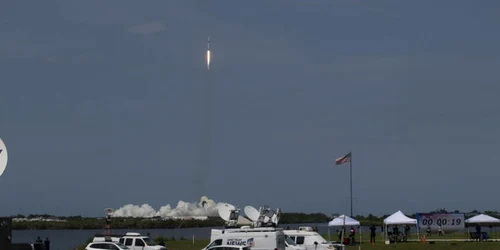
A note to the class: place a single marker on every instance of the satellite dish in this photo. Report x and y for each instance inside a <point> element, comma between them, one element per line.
<point>269,213</point>
<point>266,220</point>
<point>268,216</point>
<point>229,213</point>
<point>108,211</point>
<point>276,217</point>
<point>3,157</point>
<point>252,213</point>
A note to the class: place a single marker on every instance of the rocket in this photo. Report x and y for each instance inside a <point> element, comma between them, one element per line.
<point>208,53</point>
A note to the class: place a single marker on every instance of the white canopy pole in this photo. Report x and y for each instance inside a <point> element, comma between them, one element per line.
<point>418,232</point>
<point>360,238</point>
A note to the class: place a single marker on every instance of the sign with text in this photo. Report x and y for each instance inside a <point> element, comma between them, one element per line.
<point>448,222</point>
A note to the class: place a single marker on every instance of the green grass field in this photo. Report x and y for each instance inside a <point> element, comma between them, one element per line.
<point>438,242</point>
<point>199,244</point>
<point>445,245</point>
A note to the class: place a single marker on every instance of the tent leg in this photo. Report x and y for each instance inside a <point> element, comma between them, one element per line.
<point>360,239</point>
<point>418,233</point>
<point>385,234</point>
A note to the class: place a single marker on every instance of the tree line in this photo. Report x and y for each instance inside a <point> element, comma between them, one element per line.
<point>79,222</point>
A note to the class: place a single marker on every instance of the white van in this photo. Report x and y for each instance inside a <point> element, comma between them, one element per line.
<point>260,238</point>
<point>311,240</point>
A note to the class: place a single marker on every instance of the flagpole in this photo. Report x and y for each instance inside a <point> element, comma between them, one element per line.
<point>350,163</point>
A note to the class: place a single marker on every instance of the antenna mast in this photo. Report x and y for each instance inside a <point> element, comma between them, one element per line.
<point>107,229</point>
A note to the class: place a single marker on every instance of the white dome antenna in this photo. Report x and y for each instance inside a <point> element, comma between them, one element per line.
<point>252,213</point>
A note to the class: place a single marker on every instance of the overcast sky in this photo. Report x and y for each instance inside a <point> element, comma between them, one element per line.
<point>102,104</point>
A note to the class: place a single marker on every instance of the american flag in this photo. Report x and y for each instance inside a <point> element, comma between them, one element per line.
<point>344,159</point>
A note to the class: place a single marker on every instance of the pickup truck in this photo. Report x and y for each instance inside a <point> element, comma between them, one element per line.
<point>136,241</point>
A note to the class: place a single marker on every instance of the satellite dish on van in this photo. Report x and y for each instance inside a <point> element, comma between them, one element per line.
<point>266,219</point>
<point>252,213</point>
<point>276,216</point>
<point>269,217</point>
<point>108,211</point>
<point>268,212</point>
<point>3,157</point>
<point>229,213</point>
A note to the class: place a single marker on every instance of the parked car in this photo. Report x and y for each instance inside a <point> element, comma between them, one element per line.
<point>106,245</point>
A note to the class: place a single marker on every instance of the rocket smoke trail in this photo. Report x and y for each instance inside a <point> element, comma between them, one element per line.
<point>206,133</point>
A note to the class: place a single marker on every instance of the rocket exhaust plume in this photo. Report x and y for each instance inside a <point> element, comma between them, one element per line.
<point>208,54</point>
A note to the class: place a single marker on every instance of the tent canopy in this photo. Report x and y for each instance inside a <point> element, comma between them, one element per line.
<point>398,218</point>
<point>482,219</point>
<point>339,221</point>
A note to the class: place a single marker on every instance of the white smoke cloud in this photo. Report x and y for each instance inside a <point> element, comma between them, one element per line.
<point>206,207</point>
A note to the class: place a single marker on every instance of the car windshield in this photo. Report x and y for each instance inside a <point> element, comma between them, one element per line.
<point>289,241</point>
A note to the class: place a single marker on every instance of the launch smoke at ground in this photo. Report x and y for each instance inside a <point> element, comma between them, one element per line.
<point>206,207</point>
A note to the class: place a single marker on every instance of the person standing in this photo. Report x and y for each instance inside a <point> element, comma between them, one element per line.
<point>372,234</point>
<point>440,231</point>
<point>478,233</point>
<point>407,232</point>
<point>47,243</point>
<point>352,234</point>
<point>38,244</point>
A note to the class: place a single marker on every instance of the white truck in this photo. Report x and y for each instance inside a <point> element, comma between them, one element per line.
<point>136,241</point>
<point>312,240</point>
<point>259,238</point>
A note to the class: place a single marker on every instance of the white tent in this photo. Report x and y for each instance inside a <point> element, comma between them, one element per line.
<point>339,221</point>
<point>344,220</point>
<point>482,219</point>
<point>398,218</point>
